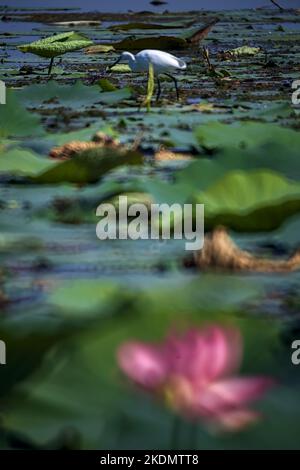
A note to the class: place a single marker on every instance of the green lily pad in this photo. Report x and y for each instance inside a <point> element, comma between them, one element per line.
<point>246,135</point>
<point>250,201</point>
<point>99,48</point>
<point>24,162</point>
<point>106,85</point>
<point>121,68</point>
<point>203,172</point>
<point>85,297</point>
<point>243,51</point>
<point>16,121</point>
<point>88,167</point>
<point>84,135</point>
<point>114,97</point>
<point>70,95</point>
<point>57,45</point>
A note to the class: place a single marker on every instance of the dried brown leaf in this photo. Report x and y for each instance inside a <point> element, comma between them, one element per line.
<point>220,253</point>
<point>66,151</point>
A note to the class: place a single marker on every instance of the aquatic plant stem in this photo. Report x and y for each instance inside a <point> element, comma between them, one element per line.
<point>50,65</point>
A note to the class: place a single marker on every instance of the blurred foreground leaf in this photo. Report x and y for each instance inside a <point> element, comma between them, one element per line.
<point>77,95</point>
<point>250,201</point>
<point>81,389</point>
<point>88,166</point>
<point>16,121</point>
<point>24,162</point>
<point>246,135</point>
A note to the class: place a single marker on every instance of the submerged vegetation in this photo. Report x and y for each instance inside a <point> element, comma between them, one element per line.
<point>83,136</point>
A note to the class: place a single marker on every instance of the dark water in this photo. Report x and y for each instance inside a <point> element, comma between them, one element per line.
<point>124,5</point>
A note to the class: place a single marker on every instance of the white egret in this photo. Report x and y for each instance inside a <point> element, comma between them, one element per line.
<point>162,62</point>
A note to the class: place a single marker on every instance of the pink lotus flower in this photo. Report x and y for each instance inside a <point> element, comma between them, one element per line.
<point>195,374</point>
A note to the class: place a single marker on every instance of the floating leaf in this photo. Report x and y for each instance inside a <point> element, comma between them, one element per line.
<point>121,68</point>
<point>164,43</point>
<point>250,201</point>
<point>203,172</point>
<point>77,95</point>
<point>24,162</point>
<point>106,85</point>
<point>15,120</point>
<point>274,156</point>
<point>88,167</point>
<point>242,51</point>
<point>84,297</point>
<point>85,135</point>
<point>113,97</point>
<point>57,45</point>
<point>245,135</point>
<point>128,26</point>
<point>99,48</point>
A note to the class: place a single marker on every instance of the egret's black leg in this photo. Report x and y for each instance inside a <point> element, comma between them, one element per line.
<point>158,88</point>
<point>50,65</point>
<point>175,83</point>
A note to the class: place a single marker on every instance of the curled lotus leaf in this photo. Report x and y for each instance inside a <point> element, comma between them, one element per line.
<point>57,45</point>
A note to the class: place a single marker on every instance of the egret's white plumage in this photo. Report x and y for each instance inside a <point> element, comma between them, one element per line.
<point>162,62</point>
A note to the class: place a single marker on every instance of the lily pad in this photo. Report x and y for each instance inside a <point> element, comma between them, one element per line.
<point>85,297</point>
<point>99,48</point>
<point>106,85</point>
<point>121,68</point>
<point>24,162</point>
<point>250,201</point>
<point>57,45</point>
<point>70,95</point>
<point>164,43</point>
<point>246,135</point>
<point>88,167</point>
<point>16,121</point>
<point>203,172</point>
<point>137,25</point>
<point>242,51</point>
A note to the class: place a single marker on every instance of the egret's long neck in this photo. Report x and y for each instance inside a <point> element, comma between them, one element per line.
<point>131,61</point>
